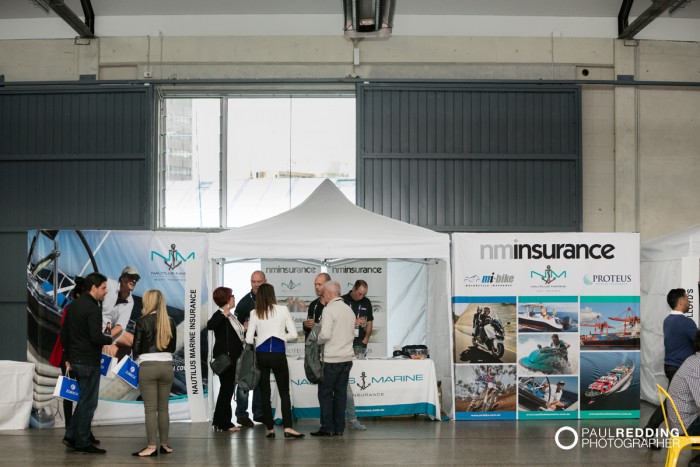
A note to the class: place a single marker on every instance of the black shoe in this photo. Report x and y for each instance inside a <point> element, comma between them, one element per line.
<point>320,433</point>
<point>337,434</point>
<point>94,440</point>
<point>271,434</point>
<point>293,435</point>
<point>245,422</point>
<point>138,453</point>
<point>653,444</point>
<point>164,451</point>
<point>69,442</point>
<point>90,449</point>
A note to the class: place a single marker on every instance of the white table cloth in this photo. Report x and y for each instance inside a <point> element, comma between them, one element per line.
<point>16,394</point>
<point>381,387</point>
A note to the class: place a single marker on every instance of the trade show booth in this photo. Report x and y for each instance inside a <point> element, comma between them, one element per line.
<point>667,262</point>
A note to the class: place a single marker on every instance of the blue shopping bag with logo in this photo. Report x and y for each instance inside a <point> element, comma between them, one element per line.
<point>128,370</point>
<point>67,388</point>
<point>106,363</point>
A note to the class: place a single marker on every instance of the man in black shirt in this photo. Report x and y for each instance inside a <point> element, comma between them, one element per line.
<point>242,312</point>
<point>82,340</point>
<point>316,307</point>
<point>362,307</point>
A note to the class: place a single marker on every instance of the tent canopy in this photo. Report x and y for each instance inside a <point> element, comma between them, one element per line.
<point>673,246</point>
<point>328,225</point>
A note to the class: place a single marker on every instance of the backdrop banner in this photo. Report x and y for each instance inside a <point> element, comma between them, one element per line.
<point>546,325</point>
<point>165,261</point>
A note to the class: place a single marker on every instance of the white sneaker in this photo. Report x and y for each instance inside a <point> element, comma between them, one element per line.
<point>356,425</point>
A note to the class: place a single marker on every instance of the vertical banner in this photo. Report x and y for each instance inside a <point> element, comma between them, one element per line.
<point>546,325</point>
<point>193,367</point>
<point>372,271</point>
<point>689,281</point>
<point>159,260</point>
<point>293,281</point>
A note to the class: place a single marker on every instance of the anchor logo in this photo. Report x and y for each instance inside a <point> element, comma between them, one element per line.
<point>364,385</point>
<point>291,285</point>
<point>173,257</point>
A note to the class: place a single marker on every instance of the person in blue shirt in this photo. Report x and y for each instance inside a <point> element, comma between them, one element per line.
<point>679,336</point>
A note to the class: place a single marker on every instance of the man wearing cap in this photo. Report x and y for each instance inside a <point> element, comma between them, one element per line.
<point>117,307</point>
<point>555,399</point>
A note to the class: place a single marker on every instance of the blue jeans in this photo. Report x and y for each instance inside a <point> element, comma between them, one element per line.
<point>88,378</point>
<point>350,406</point>
<point>332,396</point>
<point>242,404</point>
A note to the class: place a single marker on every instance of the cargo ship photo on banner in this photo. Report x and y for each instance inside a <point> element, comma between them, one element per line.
<point>573,335</point>
<point>374,272</point>
<point>133,262</point>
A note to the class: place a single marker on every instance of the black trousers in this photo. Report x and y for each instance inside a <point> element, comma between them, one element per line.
<point>657,418</point>
<point>222,412</point>
<point>277,363</point>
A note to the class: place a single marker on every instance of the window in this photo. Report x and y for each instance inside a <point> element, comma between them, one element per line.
<point>275,151</point>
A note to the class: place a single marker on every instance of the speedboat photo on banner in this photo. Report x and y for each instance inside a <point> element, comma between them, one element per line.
<point>546,325</point>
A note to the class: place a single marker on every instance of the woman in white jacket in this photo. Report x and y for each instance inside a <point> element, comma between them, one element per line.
<point>274,327</point>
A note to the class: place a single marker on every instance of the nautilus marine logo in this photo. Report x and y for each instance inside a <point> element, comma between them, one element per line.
<point>548,275</point>
<point>365,384</point>
<point>172,258</point>
<point>291,285</point>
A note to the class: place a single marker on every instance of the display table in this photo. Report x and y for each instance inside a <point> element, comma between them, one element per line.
<point>381,387</point>
<point>16,394</point>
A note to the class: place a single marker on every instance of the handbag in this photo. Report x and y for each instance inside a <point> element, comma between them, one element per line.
<point>67,388</point>
<point>247,372</point>
<point>222,362</point>
<point>128,370</point>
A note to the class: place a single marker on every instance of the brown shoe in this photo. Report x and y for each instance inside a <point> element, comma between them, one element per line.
<point>245,422</point>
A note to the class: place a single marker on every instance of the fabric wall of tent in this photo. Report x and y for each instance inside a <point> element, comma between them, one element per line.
<point>667,263</point>
<point>328,226</point>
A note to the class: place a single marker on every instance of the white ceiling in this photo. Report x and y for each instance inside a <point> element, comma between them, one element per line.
<point>22,19</point>
<point>565,8</point>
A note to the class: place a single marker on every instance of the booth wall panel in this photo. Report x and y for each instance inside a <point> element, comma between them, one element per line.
<point>471,157</point>
<point>71,157</point>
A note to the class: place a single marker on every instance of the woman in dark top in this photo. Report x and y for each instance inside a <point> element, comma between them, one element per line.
<point>154,343</point>
<point>228,339</point>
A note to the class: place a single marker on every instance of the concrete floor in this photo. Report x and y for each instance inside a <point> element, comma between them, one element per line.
<point>387,441</point>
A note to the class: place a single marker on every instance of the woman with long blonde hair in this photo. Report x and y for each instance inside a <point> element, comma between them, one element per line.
<point>154,344</point>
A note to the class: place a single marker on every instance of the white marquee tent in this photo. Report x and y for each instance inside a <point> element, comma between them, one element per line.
<point>328,226</point>
<point>667,263</point>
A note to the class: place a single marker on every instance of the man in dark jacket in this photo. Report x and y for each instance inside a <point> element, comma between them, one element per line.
<point>82,340</point>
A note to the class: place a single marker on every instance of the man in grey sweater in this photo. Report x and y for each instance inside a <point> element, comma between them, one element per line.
<point>337,334</point>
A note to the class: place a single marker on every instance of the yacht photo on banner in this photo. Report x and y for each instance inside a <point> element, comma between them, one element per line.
<point>169,262</point>
<point>557,312</point>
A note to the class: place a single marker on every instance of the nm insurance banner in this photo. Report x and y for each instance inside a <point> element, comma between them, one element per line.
<point>163,260</point>
<point>546,325</point>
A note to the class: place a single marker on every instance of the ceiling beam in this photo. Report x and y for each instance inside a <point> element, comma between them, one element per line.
<point>647,16</point>
<point>85,29</point>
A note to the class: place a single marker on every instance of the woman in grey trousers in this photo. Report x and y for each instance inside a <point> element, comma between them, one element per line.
<point>154,344</point>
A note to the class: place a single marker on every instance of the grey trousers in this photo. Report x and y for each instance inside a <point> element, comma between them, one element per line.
<point>155,381</point>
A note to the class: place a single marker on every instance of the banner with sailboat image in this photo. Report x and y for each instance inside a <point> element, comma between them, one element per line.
<point>157,260</point>
<point>560,311</point>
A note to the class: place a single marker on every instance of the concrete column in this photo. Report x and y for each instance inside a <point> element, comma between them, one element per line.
<point>626,151</point>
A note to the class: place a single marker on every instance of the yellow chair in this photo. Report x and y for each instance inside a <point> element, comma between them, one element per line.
<point>676,443</point>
